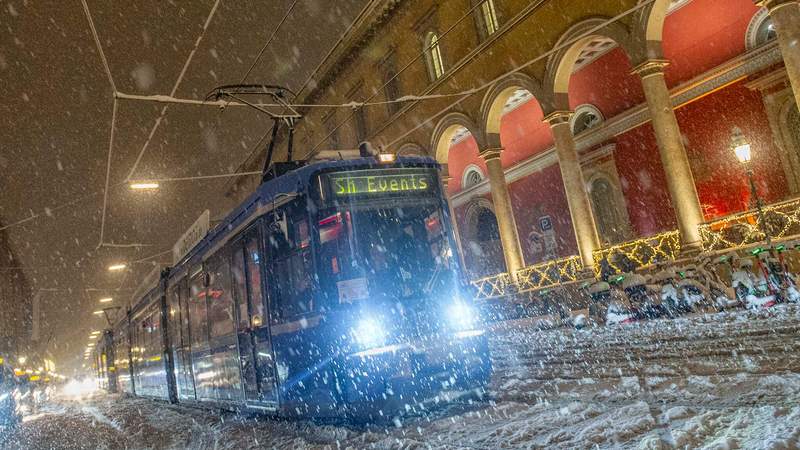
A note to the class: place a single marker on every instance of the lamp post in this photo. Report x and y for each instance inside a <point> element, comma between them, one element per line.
<point>741,148</point>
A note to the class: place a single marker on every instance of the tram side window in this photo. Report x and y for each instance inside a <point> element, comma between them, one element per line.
<point>239,285</point>
<point>290,250</point>
<point>174,316</point>
<point>198,322</point>
<point>253,262</point>
<point>220,301</point>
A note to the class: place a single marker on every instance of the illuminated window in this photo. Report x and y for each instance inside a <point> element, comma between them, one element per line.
<point>489,17</point>
<point>433,52</point>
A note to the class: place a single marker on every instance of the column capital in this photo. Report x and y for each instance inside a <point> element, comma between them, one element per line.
<point>558,117</point>
<point>650,67</point>
<point>773,5</point>
<point>489,154</point>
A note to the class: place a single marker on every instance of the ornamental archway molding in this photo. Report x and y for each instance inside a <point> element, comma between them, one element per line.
<point>495,100</point>
<point>561,64</point>
<point>447,128</point>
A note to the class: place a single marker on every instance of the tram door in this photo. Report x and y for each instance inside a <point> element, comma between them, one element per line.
<point>255,347</point>
<point>179,311</point>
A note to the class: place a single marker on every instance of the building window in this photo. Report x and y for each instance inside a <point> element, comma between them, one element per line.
<point>761,30</point>
<point>330,126</point>
<point>488,18</point>
<point>472,177</point>
<point>391,90</point>
<point>361,125</point>
<point>433,53</point>
<point>585,117</point>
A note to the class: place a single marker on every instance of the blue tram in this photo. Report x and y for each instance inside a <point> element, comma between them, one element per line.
<point>332,291</point>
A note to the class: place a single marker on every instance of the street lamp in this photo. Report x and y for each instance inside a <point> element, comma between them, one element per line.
<point>741,148</point>
<point>144,185</point>
<point>106,300</point>
<point>116,267</point>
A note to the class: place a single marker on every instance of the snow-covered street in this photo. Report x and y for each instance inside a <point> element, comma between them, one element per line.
<point>729,380</point>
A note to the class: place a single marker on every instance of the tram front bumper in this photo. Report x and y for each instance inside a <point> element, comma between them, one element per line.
<point>379,381</point>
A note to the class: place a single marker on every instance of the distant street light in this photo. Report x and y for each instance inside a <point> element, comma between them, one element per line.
<point>95,333</point>
<point>144,186</point>
<point>741,148</point>
<point>106,300</point>
<point>99,312</point>
<point>117,267</point>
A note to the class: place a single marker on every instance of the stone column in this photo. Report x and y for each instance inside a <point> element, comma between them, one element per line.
<point>512,251</point>
<point>680,182</point>
<point>580,209</point>
<point>785,15</point>
<point>456,234</point>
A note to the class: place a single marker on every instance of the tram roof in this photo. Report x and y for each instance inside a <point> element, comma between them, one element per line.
<point>294,182</point>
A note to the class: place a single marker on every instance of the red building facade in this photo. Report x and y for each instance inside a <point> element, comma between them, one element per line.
<point>725,70</point>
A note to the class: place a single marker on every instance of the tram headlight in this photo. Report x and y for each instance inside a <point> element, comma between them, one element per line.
<point>462,316</point>
<point>369,333</point>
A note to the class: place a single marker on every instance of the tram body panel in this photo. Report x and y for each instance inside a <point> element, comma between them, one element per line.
<point>334,290</point>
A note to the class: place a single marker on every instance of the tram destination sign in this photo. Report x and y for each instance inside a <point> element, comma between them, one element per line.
<point>381,182</point>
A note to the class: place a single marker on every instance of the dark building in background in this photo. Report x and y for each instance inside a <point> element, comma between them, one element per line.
<point>15,301</point>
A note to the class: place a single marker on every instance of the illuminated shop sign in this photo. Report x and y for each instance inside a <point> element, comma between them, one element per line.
<point>378,182</point>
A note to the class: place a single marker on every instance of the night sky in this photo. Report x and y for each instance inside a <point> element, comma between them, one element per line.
<point>56,113</point>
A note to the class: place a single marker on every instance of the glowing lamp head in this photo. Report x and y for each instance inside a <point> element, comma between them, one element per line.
<point>116,267</point>
<point>740,146</point>
<point>369,333</point>
<point>462,316</point>
<point>99,312</point>
<point>144,185</point>
<point>387,158</point>
<point>106,300</point>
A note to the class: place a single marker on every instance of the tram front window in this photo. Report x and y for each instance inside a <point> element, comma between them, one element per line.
<point>392,253</point>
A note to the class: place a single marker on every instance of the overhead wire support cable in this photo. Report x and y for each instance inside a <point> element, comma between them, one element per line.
<point>256,60</point>
<point>174,90</point>
<point>99,47</point>
<point>108,172</point>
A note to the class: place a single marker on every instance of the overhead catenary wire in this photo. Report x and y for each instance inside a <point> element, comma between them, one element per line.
<point>223,104</point>
<point>158,98</point>
<point>49,211</point>
<point>347,31</point>
<point>174,90</point>
<point>108,171</point>
<point>97,44</point>
<point>201,177</point>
